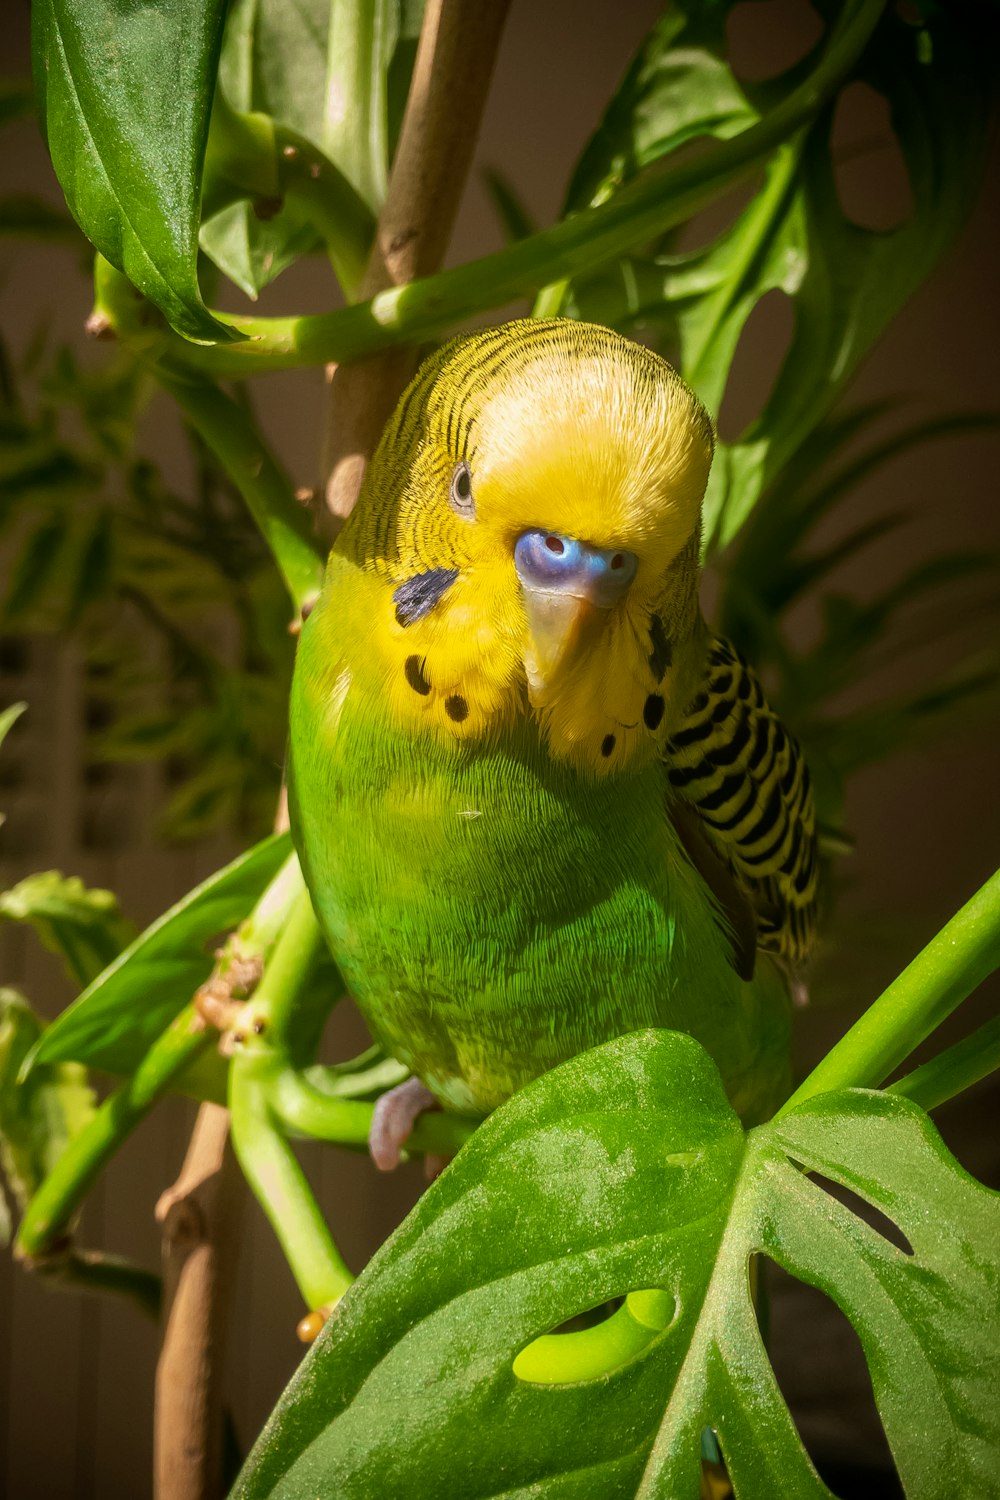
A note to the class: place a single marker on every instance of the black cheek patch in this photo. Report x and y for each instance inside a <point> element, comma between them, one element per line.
<point>652,711</point>
<point>413,669</point>
<point>418,595</point>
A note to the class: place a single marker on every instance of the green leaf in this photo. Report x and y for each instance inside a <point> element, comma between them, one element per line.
<point>679,87</point>
<point>845,282</point>
<point>94,570</point>
<point>273,62</point>
<point>625,1173</point>
<point>83,926</point>
<point>330,77</point>
<point>355,124</point>
<point>325,70</point>
<point>114,1022</point>
<point>40,1116</point>
<point>252,251</point>
<point>305,66</point>
<point>124,94</point>
<point>9,717</point>
<point>777,560</point>
<point>928,1321</point>
<point>944,707</point>
<point>271,68</point>
<point>828,469</point>
<point>853,630</point>
<point>409,18</point>
<point>35,568</point>
<point>228,427</point>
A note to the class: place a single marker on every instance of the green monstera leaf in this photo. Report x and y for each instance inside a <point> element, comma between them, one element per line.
<point>626,1174</point>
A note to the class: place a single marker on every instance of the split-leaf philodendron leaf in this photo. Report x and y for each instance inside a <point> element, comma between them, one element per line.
<point>845,282</point>
<point>124,93</point>
<point>626,1173</point>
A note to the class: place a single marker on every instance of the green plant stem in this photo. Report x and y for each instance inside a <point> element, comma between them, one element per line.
<point>964,952</point>
<point>94,1271</point>
<point>265,1156</point>
<point>279,1184</point>
<point>269,1099</point>
<point>265,924</point>
<point>643,210</point>
<point>323,197</point>
<point>251,156</point>
<point>341,1081</point>
<point>308,1111</point>
<point>356,133</point>
<point>230,433</point>
<point>954,1070</point>
<point>48,1215</point>
<point>548,303</point>
<point>269,1017</point>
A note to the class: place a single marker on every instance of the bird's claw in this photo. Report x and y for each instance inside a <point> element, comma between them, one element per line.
<point>392,1123</point>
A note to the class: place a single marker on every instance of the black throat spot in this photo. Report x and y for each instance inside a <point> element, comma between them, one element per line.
<point>413,670</point>
<point>417,596</point>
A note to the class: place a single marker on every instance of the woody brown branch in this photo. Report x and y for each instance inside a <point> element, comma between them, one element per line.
<point>197,1221</point>
<point>451,77</point>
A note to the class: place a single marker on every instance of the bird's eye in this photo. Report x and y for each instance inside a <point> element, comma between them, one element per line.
<point>460,494</point>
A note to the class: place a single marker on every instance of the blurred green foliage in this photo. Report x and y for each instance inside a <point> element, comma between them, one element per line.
<point>181,618</point>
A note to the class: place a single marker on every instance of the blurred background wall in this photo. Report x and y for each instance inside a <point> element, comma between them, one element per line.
<point>76,1376</point>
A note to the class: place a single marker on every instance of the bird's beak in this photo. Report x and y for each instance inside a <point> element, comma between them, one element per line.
<point>568,588</point>
<point>560,626</point>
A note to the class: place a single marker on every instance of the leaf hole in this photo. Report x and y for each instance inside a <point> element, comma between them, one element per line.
<point>872,180</point>
<point>823,1376</point>
<point>760,353</point>
<point>767,37</point>
<point>598,1340</point>
<point>867,1212</point>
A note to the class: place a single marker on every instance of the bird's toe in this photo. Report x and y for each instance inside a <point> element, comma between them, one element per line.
<point>393,1121</point>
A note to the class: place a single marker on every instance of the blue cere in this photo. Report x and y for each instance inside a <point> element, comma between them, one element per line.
<point>550,563</point>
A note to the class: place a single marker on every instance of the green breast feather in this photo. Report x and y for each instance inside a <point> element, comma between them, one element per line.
<point>494,913</point>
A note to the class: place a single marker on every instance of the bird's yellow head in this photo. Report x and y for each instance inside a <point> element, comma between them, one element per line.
<point>527,541</point>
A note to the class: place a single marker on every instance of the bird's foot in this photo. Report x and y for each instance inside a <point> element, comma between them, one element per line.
<point>396,1113</point>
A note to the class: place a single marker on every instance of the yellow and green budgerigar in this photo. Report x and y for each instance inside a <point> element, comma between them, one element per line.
<point>537,802</point>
